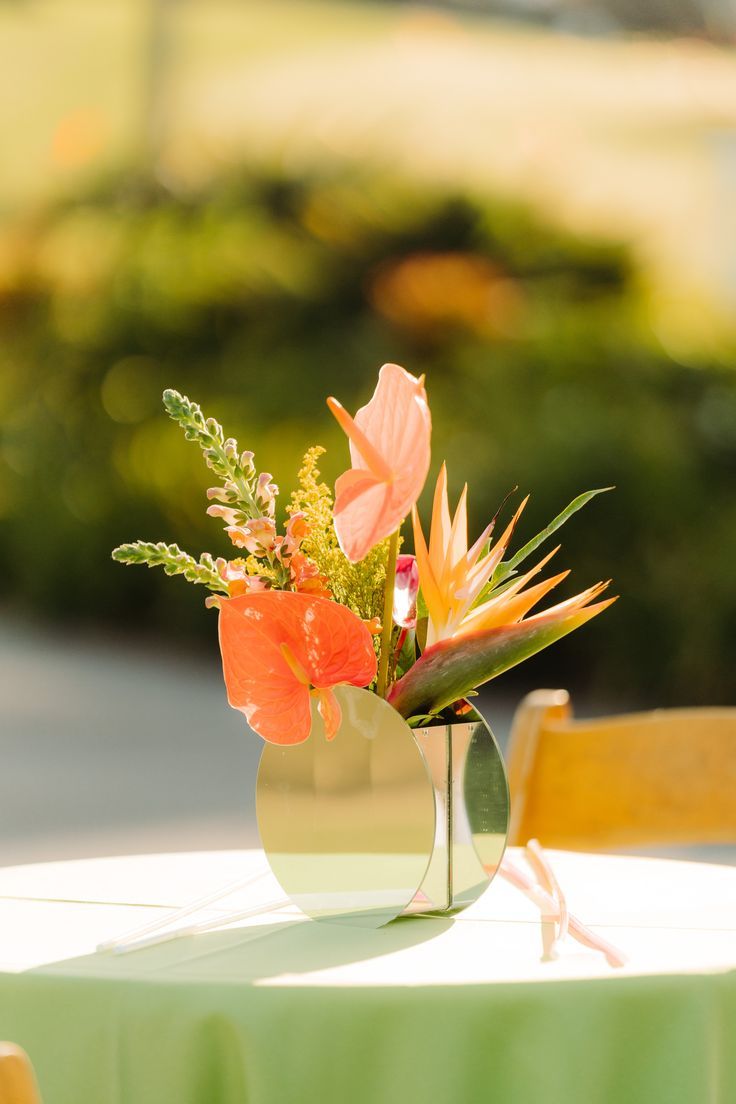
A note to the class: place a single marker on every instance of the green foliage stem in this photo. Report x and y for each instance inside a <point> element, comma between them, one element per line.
<point>174,562</point>
<point>221,454</point>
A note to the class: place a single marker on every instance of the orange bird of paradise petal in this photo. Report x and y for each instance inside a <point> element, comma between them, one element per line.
<point>389,451</point>
<point>280,649</point>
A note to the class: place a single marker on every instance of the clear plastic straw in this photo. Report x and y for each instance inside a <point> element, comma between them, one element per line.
<point>196,929</point>
<point>180,913</point>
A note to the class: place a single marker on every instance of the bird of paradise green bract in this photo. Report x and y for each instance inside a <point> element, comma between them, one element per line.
<point>450,669</point>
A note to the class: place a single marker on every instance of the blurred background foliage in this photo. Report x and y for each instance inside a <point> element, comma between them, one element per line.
<point>260,201</point>
<point>258,293</point>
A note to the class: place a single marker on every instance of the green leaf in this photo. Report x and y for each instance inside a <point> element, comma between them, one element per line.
<point>408,655</point>
<point>420,720</point>
<point>508,567</point>
<point>221,455</point>
<point>421,632</point>
<point>452,668</point>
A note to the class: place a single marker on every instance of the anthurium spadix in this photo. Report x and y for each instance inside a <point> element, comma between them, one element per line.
<point>451,668</point>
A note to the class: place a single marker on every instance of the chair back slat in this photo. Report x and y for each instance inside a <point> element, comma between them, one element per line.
<point>17,1080</point>
<point>662,777</point>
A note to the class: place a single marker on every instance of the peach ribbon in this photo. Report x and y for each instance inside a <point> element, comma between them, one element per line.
<point>557,921</point>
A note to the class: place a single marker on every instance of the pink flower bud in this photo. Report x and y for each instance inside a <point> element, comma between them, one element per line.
<point>239,581</point>
<point>405,592</point>
<point>258,535</point>
<point>225,512</point>
<point>266,492</point>
<point>296,531</point>
<point>238,535</point>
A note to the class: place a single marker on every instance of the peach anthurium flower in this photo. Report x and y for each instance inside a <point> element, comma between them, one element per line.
<point>280,649</point>
<point>389,450</point>
<point>452,576</point>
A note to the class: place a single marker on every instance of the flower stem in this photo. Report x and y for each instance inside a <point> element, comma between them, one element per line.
<point>388,614</point>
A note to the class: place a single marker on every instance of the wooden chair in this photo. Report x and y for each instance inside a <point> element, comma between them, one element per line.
<point>664,777</point>
<point>17,1080</point>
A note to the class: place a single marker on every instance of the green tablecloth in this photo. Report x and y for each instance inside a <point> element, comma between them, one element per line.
<point>280,1010</point>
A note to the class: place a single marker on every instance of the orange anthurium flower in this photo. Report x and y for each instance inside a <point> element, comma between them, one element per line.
<point>452,576</point>
<point>389,450</point>
<point>280,649</point>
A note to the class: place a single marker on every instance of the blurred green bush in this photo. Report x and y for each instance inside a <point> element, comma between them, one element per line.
<point>260,296</point>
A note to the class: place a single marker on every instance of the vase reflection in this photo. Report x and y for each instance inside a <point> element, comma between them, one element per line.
<point>472,810</point>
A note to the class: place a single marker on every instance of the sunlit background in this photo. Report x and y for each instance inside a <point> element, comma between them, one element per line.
<point>258,202</point>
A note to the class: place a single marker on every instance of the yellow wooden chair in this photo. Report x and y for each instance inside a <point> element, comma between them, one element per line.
<point>17,1080</point>
<point>640,779</point>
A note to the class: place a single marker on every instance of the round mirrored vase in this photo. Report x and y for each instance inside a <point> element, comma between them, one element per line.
<point>471,796</point>
<point>384,820</point>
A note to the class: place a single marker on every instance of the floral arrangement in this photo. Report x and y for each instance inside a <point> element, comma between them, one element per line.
<point>330,600</point>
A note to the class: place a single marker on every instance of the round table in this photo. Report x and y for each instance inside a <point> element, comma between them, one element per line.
<point>280,1009</point>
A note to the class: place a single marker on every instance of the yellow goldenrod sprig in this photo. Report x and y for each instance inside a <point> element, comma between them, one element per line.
<point>358,586</point>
